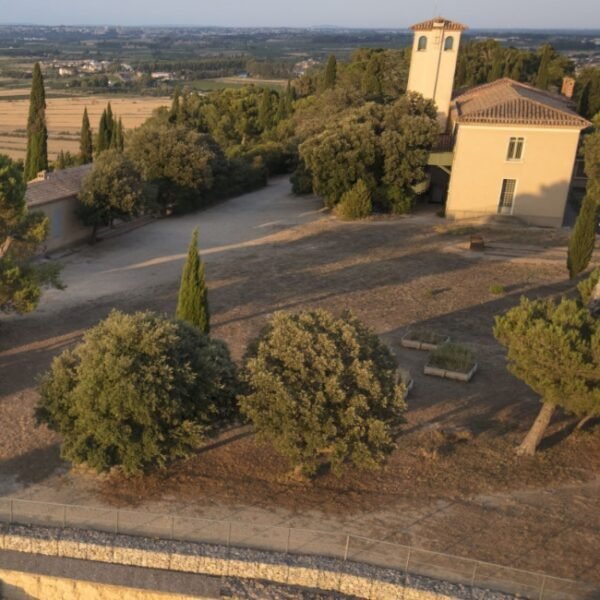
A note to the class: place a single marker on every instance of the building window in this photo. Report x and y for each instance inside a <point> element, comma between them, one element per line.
<point>449,44</point>
<point>515,148</point>
<point>507,196</point>
<point>422,43</point>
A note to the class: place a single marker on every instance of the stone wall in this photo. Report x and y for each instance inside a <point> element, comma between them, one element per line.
<point>303,571</point>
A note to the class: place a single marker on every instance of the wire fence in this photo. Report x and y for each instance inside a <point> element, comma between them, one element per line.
<point>290,540</point>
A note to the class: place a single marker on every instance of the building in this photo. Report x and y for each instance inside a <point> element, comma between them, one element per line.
<point>55,194</point>
<point>506,148</point>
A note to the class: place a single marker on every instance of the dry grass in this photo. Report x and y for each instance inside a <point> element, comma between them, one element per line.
<point>64,119</point>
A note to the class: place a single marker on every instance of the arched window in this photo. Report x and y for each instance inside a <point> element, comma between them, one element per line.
<point>422,43</point>
<point>449,43</point>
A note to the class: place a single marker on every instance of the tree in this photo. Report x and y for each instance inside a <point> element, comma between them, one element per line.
<point>65,160</point>
<point>372,83</point>
<point>103,138</point>
<point>323,390</point>
<point>542,79</point>
<point>138,392</point>
<point>86,150</point>
<point>37,133</point>
<point>583,104</point>
<point>175,160</point>
<point>330,76</point>
<point>583,238</point>
<point>112,189</point>
<point>21,234</point>
<point>266,112</point>
<point>555,349</point>
<point>117,141</point>
<point>356,203</point>
<point>192,303</point>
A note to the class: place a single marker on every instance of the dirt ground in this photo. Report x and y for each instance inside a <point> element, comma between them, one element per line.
<point>463,494</point>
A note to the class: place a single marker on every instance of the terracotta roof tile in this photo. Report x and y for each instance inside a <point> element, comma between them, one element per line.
<point>57,185</point>
<point>509,102</point>
<point>439,22</point>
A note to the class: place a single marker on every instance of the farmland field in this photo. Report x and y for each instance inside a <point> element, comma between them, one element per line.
<point>64,119</point>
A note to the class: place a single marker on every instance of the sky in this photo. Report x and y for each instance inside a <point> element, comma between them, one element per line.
<point>305,13</point>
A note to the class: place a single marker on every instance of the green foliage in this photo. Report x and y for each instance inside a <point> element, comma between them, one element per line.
<point>104,135</point>
<point>583,237</point>
<point>138,392</point>
<point>65,160</point>
<point>117,141</point>
<point>112,189</point>
<point>36,159</point>
<point>86,150</point>
<point>497,289</point>
<point>356,203</point>
<point>542,79</point>
<point>452,357</point>
<point>21,234</point>
<point>586,287</point>
<point>192,303</point>
<point>587,92</point>
<point>386,146</point>
<point>323,390</point>
<point>555,349</point>
<point>175,160</point>
<point>330,76</point>
<point>301,180</point>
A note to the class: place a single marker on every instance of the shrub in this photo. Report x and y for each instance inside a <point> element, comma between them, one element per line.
<point>426,335</point>
<point>497,288</point>
<point>356,203</point>
<point>323,390</point>
<point>301,180</point>
<point>452,357</point>
<point>586,287</point>
<point>139,391</point>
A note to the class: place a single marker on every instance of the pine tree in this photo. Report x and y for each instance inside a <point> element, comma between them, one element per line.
<point>330,73</point>
<point>583,238</point>
<point>85,140</point>
<point>192,304</point>
<point>371,83</point>
<point>542,79</point>
<point>583,106</point>
<point>37,133</point>
<point>265,111</point>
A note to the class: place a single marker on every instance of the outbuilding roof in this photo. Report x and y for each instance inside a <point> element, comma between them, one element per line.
<point>439,22</point>
<point>512,103</point>
<point>56,185</point>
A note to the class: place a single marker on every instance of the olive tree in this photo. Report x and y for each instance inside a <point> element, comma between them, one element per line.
<point>323,390</point>
<point>139,391</point>
<point>555,349</point>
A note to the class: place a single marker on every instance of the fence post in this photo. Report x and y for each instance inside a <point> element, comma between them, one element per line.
<point>64,516</point>
<point>347,547</point>
<point>406,566</point>
<point>287,546</point>
<point>473,577</point>
<point>543,588</point>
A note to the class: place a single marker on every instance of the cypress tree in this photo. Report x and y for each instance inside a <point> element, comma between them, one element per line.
<point>103,140</point>
<point>192,304</point>
<point>265,111</point>
<point>37,133</point>
<point>371,83</point>
<point>497,69</point>
<point>583,106</point>
<point>116,140</point>
<point>289,99</point>
<point>85,140</point>
<point>110,121</point>
<point>542,79</point>
<point>175,106</point>
<point>583,238</point>
<point>330,73</point>
<point>517,70</point>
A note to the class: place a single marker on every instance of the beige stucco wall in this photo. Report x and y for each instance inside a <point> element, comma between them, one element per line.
<point>432,70</point>
<point>543,175</point>
<point>15,585</point>
<point>65,227</point>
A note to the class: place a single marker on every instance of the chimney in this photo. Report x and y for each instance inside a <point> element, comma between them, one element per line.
<point>568,87</point>
<point>41,176</point>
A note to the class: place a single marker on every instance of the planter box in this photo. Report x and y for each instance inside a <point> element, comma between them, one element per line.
<point>454,375</point>
<point>419,345</point>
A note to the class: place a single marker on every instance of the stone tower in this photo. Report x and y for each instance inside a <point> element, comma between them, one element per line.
<point>433,63</point>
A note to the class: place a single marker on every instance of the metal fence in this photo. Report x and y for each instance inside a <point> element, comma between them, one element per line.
<point>290,540</point>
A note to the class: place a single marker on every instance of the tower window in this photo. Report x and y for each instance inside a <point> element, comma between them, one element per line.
<point>515,148</point>
<point>449,43</point>
<point>422,43</point>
